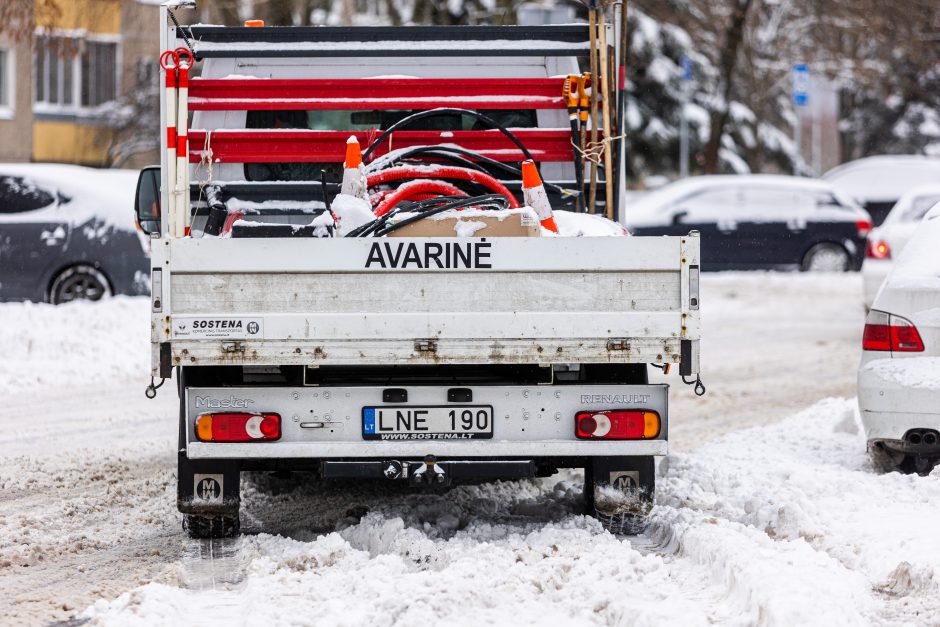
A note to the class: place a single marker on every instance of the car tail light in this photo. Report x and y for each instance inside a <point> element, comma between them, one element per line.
<point>864,227</point>
<point>877,250</point>
<point>617,425</point>
<point>887,332</point>
<point>238,427</point>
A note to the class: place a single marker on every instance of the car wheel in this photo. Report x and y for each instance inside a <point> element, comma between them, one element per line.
<point>81,282</point>
<point>826,258</point>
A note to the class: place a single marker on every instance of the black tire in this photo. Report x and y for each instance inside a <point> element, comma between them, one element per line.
<point>883,459</point>
<point>826,258</point>
<point>203,527</point>
<point>80,282</point>
<point>620,512</point>
<point>918,464</point>
<point>623,524</point>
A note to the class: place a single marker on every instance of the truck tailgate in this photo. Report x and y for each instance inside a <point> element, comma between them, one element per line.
<point>425,300</point>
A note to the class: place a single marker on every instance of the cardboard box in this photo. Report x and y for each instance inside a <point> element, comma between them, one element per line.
<point>475,223</point>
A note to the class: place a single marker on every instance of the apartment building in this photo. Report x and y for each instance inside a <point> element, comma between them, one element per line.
<point>71,93</point>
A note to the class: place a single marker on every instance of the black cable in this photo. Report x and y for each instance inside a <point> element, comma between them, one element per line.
<point>445,111</point>
<point>187,39</point>
<point>448,157</point>
<point>505,167</point>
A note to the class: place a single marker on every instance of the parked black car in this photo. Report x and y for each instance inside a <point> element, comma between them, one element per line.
<point>758,222</point>
<point>67,233</point>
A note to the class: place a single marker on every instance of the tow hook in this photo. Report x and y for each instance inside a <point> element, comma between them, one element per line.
<point>429,472</point>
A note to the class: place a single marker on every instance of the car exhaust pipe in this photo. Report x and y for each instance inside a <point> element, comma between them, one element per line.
<point>930,438</point>
<point>914,438</point>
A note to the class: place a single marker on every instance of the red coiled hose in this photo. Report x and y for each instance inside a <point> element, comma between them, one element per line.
<point>437,172</point>
<point>415,190</point>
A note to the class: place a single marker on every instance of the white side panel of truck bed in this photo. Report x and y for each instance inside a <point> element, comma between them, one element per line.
<point>382,301</point>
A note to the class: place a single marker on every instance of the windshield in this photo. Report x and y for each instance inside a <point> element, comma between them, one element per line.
<point>361,121</point>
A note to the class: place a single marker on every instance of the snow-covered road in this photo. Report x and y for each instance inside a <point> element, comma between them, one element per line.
<point>767,513</point>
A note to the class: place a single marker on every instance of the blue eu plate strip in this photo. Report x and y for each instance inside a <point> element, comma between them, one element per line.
<point>368,420</point>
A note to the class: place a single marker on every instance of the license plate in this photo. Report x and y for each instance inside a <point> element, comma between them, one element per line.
<point>410,422</point>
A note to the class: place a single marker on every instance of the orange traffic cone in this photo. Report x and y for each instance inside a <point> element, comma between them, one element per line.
<point>354,180</point>
<point>534,194</point>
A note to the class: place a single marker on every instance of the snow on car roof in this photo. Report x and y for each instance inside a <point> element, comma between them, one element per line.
<point>914,199</point>
<point>883,178</point>
<point>107,193</point>
<point>918,267</point>
<point>654,201</point>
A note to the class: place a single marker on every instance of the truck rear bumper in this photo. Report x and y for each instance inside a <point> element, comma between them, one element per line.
<point>456,450</point>
<point>329,423</point>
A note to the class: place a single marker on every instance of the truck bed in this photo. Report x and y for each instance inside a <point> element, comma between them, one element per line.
<point>424,301</point>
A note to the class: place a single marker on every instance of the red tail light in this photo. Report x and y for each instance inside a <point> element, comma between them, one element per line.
<point>877,250</point>
<point>617,425</point>
<point>238,427</point>
<point>887,332</point>
<point>864,227</point>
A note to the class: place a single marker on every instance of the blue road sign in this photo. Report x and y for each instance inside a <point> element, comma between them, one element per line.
<point>801,84</point>
<point>686,68</point>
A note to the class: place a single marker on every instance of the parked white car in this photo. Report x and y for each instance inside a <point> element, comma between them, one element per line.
<point>899,376</point>
<point>886,242</point>
<point>879,182</point>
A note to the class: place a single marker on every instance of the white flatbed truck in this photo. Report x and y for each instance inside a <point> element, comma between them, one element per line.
<point>426,360</point>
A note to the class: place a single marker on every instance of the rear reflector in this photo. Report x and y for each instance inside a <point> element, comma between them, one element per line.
<point>238,427</point>
<point>864,227</point>
<point>877,250</point>
<point>617,424</point>
<point>887,332</point>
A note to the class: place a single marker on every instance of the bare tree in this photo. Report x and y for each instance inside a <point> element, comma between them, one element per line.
<point>727,64</point>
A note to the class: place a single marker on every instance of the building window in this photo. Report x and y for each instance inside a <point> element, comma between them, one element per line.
<point>99,73</point>
<point>73,73</point>
<point>7,83</point>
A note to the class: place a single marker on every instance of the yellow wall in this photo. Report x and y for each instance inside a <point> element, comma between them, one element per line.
<point>72,141</point>
<point>95,16</point>
<point>69,142</point>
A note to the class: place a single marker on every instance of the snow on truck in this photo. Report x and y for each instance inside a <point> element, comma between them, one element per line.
<point>367,262</point>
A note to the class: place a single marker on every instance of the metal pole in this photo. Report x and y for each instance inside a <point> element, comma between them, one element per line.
<point>595,87</point>
<point>684,120</point>
<point>817,135</point>
<point>798,140</point>
<point>684,139</point>
<point>165,190</point>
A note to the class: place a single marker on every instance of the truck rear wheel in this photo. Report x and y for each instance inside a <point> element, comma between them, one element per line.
<point>618,491</point>
<point>202,527</point>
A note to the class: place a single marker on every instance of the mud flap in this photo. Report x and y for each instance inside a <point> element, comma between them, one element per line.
<point>207,488</point>
<point>620,485</point>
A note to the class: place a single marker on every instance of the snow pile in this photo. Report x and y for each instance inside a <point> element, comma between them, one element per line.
<point>805,487</point>
<point>586,225</point>
<point>77,344</point>
<point>467,228</point>
<point>351,213</point>
<point>782,525</point>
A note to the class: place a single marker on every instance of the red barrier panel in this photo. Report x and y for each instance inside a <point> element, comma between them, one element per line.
<point>236,94</point>
<point>302,146</point>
